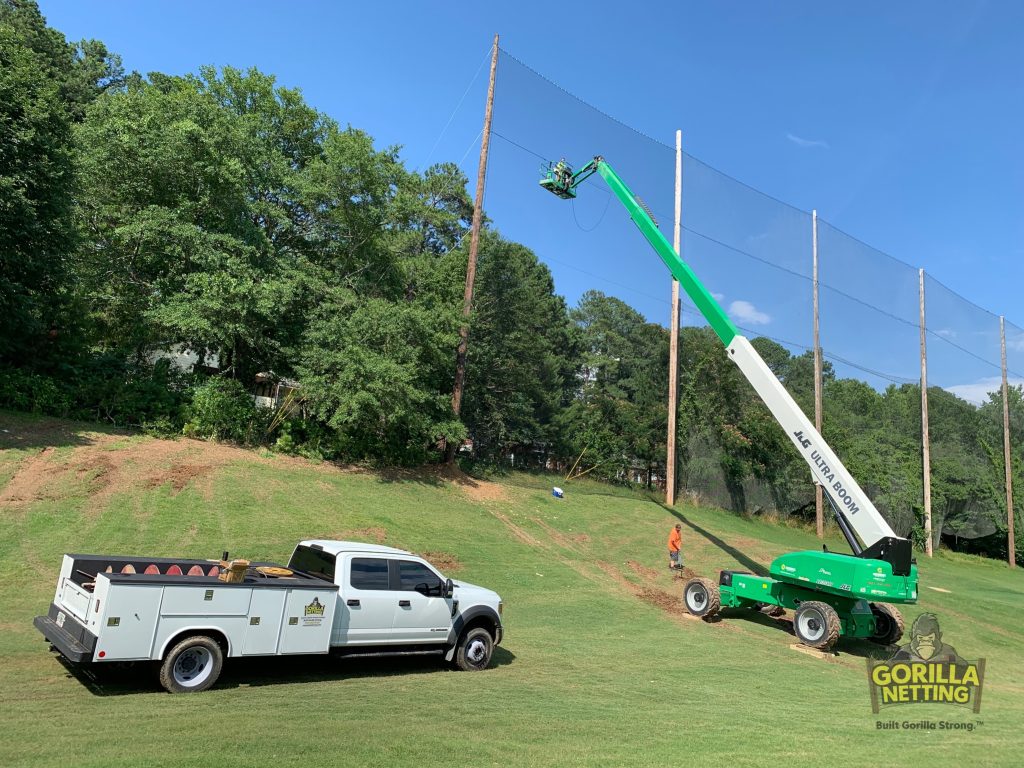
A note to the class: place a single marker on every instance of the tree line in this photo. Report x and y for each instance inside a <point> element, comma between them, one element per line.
<point>219,213</point>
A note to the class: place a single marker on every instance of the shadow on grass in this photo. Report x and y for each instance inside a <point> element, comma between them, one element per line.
<point>864,649</point>
<point>431,475</point>
<point>28,432</point>
<point>143,677</point>
<point>739,556</point>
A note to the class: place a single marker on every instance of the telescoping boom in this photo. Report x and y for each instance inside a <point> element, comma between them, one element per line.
<point>867,532</point>
<point>832,594</point>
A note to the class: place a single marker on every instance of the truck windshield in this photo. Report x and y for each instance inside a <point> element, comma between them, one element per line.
<point>315,562</point>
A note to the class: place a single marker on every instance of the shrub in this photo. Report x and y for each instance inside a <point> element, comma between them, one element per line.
<point>34,393</point>
<point>222,409</point>
<point>107,387</point>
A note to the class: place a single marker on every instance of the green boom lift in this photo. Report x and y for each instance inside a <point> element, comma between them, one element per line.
<point>833,594</point>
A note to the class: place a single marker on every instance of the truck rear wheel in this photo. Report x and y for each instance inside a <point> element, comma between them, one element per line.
<point>192,665</point>
<point>702,598</point>
<point>888,624</point>
<point>817,625</point>
<point>475,649</point>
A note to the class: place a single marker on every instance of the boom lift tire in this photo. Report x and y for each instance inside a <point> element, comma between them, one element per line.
<point>192,665</point>
<point>702,598</point>
<point>888,624</point>
<point>817,625</point>
<point>769,609</point>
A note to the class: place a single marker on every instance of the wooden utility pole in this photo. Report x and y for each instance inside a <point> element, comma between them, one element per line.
<point>474,245</point>
<point>819,505</point>
<point>1007,464</point>
<point>673,348</point>
<point>926,466</point>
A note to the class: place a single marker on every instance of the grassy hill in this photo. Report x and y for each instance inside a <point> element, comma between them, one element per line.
<point>600,666</point>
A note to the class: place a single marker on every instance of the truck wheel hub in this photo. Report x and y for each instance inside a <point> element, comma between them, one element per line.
<point>476,651</point>
<point>191,666</point>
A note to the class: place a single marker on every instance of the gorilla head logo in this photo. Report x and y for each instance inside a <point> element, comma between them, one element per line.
<point>926,643</point>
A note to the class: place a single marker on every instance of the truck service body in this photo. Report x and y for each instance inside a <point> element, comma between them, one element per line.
<point>339,597</point>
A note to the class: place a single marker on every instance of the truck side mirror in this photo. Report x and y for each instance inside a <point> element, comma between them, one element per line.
<point>449,588</point>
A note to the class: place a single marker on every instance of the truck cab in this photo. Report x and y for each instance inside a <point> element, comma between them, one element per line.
<point>392,601</point>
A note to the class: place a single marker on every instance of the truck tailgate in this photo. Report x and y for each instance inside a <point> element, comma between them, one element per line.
<point>75,600</point>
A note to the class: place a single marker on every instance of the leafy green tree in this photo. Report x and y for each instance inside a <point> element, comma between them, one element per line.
<point>375,371</point>
<point>192,213</point>
<point>521,368</point>
<point>37,183</point>
<point>619,417</point>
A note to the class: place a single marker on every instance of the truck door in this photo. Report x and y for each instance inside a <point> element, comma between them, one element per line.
<point>367,605</point>
<point>422,615</point>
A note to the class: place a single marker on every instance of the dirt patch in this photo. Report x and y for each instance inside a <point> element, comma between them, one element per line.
<point>447,562</point>
<point>643,571</point>
<point>482,490</point>
<point>684,574</point>
<point>667,602</point>
<point>581,538</point>
<point>29,480</point>
<point>45,476</point>
<point>102,464</point>
<point>477,490</point>
<point>659,598</point>
<point>179,475</point>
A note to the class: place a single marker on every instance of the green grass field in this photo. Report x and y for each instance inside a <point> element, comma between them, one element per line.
<point>599,666</point>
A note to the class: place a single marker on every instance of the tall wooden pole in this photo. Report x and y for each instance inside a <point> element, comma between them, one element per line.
<point>819,506</point>
<point>474,245</point>
<point>673,348</point>
<point>1007,464</point>
<point>926,466</point>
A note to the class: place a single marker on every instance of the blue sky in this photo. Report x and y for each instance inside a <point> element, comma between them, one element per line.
<point>899,122</point>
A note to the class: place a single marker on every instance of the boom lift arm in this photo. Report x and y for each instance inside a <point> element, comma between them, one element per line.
<point>866,531</point>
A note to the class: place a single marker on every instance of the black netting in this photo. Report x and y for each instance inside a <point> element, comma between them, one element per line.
<point>754,253</point>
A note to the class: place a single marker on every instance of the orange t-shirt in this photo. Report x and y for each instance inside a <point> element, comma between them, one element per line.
<point>674,541</point>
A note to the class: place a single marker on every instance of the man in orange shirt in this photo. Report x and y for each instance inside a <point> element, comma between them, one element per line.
<point>675,542</point>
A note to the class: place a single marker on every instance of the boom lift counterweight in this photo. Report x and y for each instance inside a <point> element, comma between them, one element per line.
<point>830,591</point>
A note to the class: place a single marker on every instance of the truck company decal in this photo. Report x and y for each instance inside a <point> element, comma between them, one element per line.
<point>313,613</point>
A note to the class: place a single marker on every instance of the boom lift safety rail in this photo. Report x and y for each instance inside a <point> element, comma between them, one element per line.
<point>830,591</point>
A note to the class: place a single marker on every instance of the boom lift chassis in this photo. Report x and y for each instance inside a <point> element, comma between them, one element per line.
<point>833,594</point>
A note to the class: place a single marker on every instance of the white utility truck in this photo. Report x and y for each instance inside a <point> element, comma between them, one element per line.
<point>337,597</point>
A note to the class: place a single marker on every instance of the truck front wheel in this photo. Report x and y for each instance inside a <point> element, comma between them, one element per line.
<point>192,665</point>
<point>475,649</point>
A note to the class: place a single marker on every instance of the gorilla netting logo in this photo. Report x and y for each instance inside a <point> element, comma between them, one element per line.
<point>926,671</point>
